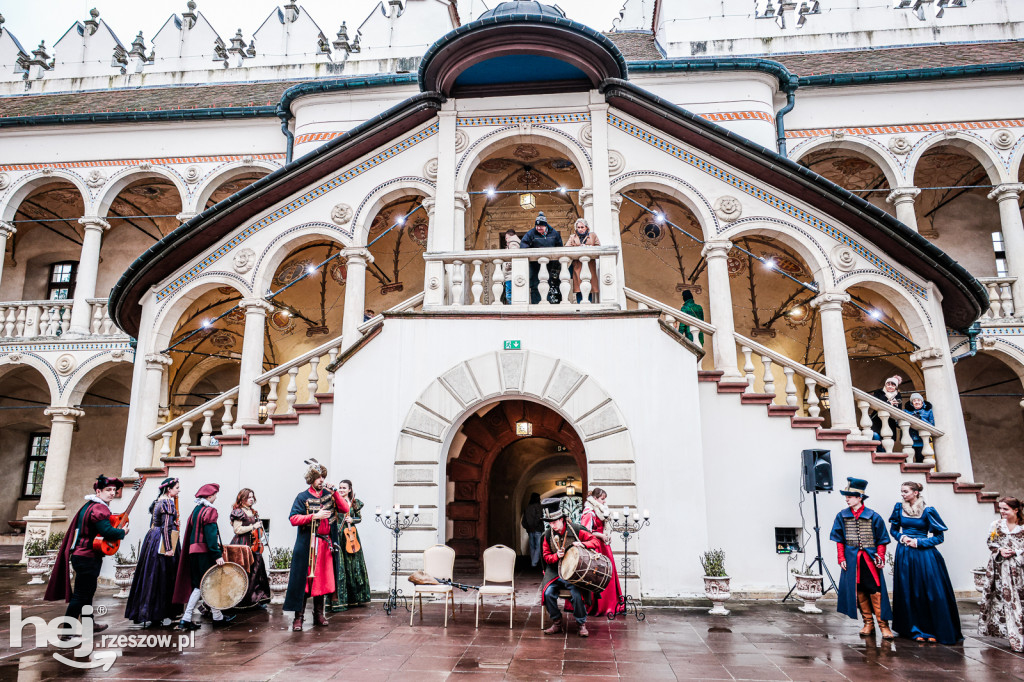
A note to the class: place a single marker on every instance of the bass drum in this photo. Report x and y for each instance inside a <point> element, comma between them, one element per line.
<point>586,569</point>
<point>223,587</point>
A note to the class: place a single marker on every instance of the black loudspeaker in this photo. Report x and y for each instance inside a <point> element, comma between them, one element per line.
<point>817,470</point>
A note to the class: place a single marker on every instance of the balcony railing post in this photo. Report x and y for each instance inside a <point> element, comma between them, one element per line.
<point>565,280</point>
<point>586,285</point>
<point>543,284</point>
<point>520,280</point>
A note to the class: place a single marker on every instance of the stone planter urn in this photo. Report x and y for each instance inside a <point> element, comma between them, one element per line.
<point>123,574</point>
<point>717,590</point>
<point>979,583</point>
<point>51,559</point>
<point>278,584</point>
<point>37,566</point>
<point>809,588</point>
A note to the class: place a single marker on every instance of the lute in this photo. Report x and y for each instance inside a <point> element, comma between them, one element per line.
<point>108,547</point>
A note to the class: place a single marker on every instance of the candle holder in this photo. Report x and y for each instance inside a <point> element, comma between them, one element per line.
<point>628,528</point>
<point>396,525</point>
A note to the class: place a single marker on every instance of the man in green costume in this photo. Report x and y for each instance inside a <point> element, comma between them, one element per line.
<point>693,309</point>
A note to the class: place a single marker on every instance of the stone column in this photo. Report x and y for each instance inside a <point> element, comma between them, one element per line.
<point>716,252</point>
<point>88,268</point>
<point>256,310</point>
<point>837,362</point>
<point>357,258</point>
<point>57,457</point>
<point>903,199</point>
<point>6,230</point>
<point>442,236</point>
<point>1013,237</point>
<point>601,185</point>
<point>149,407</point>
<point>951,451</point>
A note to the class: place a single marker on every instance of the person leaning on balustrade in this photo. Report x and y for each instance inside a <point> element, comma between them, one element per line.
<point>1002,612</point>
<point>542,236</point>
<point>922,409</point>
<point>889,393</point>
<point>582,236</point>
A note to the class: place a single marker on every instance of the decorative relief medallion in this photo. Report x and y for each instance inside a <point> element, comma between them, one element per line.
<point>243,260</point>
<point>616,162</point>
<point>844,258</point>
<point>47,170</point>
<point>1003,138</point>
<point>223,339</point>
<point>15,358</point>
<point>434,282</point>
<point>417,232</point>
<point>461,141</point>
<point>519,281</point>
<point>587,135</point>
<point>430,169</point>
<point>145,166</point>
<point>838,134</point>
<point>95,178</point>
<point>248,159</point>
<point>341,214</point>
<point>65,364</point>
<point>900,145</point>
<point>5,180</point>
<point>728,208</point>
<point>609,278</point>
<point>950,132</point>
<point>193,174</point>
<point>526,152</point>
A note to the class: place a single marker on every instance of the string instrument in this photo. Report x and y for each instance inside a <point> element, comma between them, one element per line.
<point>258,542</point>
<point>108,547</point>
<point>351,536</point>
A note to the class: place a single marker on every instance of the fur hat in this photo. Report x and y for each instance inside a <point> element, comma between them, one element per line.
<point>104,482</point>
<point>314,470</point>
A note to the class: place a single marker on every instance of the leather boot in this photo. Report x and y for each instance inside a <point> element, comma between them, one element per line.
<point>864,602</point>
<point>297,624</point>
<point>319,617</point>
<point>556,627</point>
<point>876,608</point>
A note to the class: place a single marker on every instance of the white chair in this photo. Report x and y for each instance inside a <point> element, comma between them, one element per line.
<point>439,563</point>
<point>499,567</point>
<point>562,595</point>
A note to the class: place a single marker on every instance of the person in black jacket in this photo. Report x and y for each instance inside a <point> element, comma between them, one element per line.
<point>533,524</point>
<point>542,236</point>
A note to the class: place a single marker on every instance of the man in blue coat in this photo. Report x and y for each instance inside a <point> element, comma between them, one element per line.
<point>542,237</point>
<point>861,538</point>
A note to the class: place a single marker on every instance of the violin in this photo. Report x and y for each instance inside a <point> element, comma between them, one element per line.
<point>108,547</point>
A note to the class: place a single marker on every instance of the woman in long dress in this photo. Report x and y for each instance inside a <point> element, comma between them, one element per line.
<point>923,601</point>
<point>245,522</point>
<point>352,582</point>
<point>595,515</point>
<point>1003,612</point>
<point>149,600</point>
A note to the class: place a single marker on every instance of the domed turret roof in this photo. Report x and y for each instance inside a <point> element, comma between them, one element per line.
<point>522,7</point>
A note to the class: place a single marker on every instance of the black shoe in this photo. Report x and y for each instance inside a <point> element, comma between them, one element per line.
<point>99,627</point>
<point>187,625</point>
<point>224,621</point>
<point>67,638</point>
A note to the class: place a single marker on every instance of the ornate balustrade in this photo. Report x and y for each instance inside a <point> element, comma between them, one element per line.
<point>673,317</point>
<point>176,436</point>
<point>24,320</point>
<point>762,380</point>
<point>1000,296</point>
<point>905,421</point>
<point>473,279</point>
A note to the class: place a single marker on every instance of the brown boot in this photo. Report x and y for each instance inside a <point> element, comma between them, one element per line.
<point>876,608</point>
<point>319,617</point>
<point>297,624</point>
<point>864,602</point>
<point>583,630</point>
<point>555,628</point>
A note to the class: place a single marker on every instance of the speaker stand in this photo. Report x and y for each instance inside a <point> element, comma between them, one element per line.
<point>817,559</point>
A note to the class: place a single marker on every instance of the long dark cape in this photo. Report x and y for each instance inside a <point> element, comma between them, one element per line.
<point>183,580</point>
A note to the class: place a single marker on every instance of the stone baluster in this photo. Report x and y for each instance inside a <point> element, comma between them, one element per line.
<point>313,380</point>
<point>478,282</point>
<point>65,320</point>
<point>7,328</point>
<point>544,285</point>
<point>670,320</point>
<point>332,355</point>
<point>497,282</point>
<point>186,438</point>
<point>886,431</point>
<point>586,285</point>
<point>272,396</point>
<point>768,378</point>
<point>226,420</point>
<point>53,323</point>
<point>97,318</point>
<point>865,419</point>
<point>994,302</point>
<point>812,397</point>
<point>748,369</point>
<point>457,282</point>
<point>165,447</point>
<point>565,281</point>
<point>790,386</point>
<point>905,440</point>
<point>207,428</point>
<point>293,389</point>
<point>19,323</point>
<point>1006,299</point>
<point>927,451</point>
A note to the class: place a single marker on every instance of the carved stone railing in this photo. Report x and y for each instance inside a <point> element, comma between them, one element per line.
<point>905,421</point>
<point>1000,296</point>
<point>309,366</point>
<point>28,319</point>
<point>673,317</point>
<point>176,436</point>
<point>473,279</point>
<point>101,324</point>
<point>761,377</point>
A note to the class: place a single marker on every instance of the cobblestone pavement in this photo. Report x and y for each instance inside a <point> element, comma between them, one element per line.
<point>758,641</point>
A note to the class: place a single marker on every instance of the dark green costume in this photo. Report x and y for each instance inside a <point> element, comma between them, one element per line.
<point>351,581</point>
<point>693,309</point>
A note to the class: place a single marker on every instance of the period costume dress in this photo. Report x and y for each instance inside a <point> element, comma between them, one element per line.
<point>352,582</point>
<point>923,601</point>
<point>1003,612</point>
<point>76,552</point>
<point>552,583</point>
<point>595,516</point>
<point>249,532</point>
<point>200,549</point>
<point>149,599</point>
<point>314,540</point>
<point>860,536</point>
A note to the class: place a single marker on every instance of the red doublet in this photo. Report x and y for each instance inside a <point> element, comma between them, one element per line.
<point>322,581</point>
<point>862,554</point>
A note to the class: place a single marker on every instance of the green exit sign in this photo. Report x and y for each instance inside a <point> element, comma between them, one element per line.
<point>514,344</point>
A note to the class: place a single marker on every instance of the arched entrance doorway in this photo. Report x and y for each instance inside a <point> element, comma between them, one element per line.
<point>492,468</point>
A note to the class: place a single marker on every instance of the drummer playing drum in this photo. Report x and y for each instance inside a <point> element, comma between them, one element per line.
<point>560,535</point>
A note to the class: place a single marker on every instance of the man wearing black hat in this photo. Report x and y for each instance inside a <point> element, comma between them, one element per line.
<point>561,534</point>
<point>861,538</point>
<point>92,520</point>
<point>542,237</point>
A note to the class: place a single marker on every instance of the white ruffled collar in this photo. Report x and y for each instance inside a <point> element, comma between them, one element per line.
<point>93,498</point>
<point>203,501</point>
<point>602,511</point>
<point>1001,523</point>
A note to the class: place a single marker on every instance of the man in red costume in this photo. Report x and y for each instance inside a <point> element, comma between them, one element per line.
<point>561,534</point>
<point>200,551</point>
<point>312,569</point>
<point>91,520</point>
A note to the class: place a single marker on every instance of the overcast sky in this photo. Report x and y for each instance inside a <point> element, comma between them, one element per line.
<point>35,20</point>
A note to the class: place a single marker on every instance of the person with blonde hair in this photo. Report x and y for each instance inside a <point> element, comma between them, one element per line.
<point>582,236</point>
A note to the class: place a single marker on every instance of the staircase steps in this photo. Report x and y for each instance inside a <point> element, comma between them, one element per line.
<point>310,408</point>
<point>942,477</point>
<point>234,440</point>
<point>322,398</point>
<point>888,458</point>
<point>756,398</point>
<point>833,434</point>
<point>915,468</point>
<point>732,386</point>
<point>782,411</point>
<point>259,429</point>
<point>203,450</point>
<point>806,422</point>
<point>968,488</point>
<point>285,418</point>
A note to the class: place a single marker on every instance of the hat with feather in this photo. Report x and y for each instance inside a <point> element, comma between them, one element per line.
<point>314,470</point>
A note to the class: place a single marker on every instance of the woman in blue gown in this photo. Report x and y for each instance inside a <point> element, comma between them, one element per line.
<point>923,602</point>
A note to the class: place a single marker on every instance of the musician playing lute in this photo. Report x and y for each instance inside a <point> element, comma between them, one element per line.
<point>92,520</point>
<point>560,535</point>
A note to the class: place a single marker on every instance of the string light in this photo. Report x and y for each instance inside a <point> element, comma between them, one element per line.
<point>490,192</point>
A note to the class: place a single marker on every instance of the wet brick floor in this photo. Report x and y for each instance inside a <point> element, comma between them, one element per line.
<point>758,641</point>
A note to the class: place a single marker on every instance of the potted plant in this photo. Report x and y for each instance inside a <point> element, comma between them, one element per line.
<point>809,586</point>
<point>280,566</point>
<point>36,562</point>
<point>716,580</point>
<point>124,569</point>
<point>53,543</point>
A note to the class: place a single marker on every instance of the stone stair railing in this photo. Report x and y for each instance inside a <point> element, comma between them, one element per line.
<point>28,319</point>
<point>307,387</point>
<point>176,438</point>
<point>761,380</point>
<point>475,279</point>
<point>101,324</point>
<point>674,317</point>
<point>905,421</point>
<point>1000,296</point>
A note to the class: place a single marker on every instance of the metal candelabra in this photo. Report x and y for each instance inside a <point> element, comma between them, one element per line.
<point>628,528</point>
<point>396,522</point>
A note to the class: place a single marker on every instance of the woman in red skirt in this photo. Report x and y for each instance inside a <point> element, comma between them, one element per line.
<point>596,515</point>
